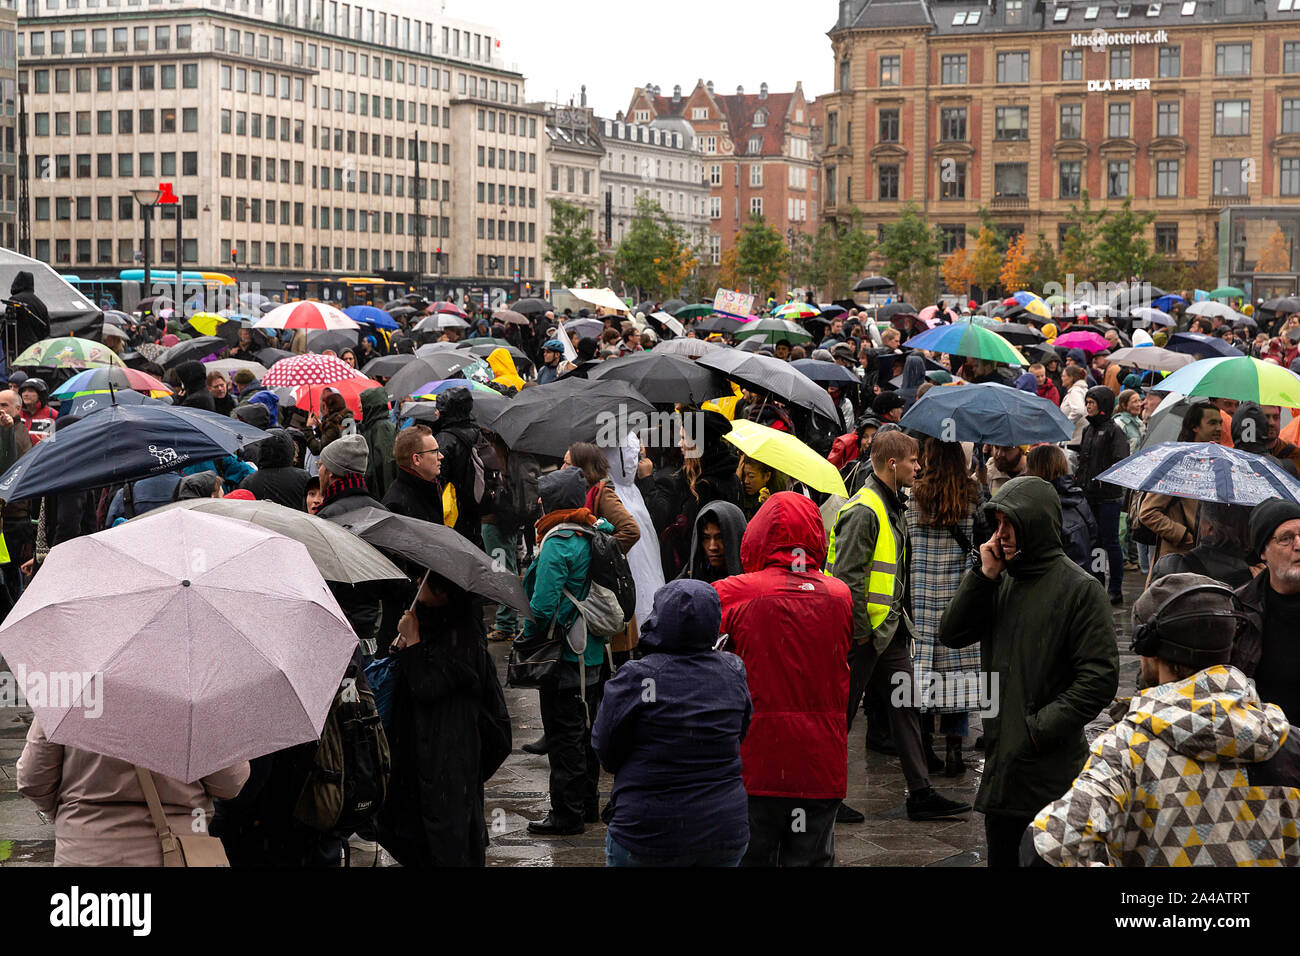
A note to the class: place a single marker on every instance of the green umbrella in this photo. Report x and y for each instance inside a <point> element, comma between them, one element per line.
<point>773,330</point>
<point>1227,292</point>
<point>1245,379</point>
<point>694,312</point>
<point>67,353</point>
<point>1055,300</point>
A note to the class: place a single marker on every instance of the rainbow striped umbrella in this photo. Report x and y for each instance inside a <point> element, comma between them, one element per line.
<point>796,311</point>
<point>970,340</point>
<point>99,380</point>
<point>1243,378</point>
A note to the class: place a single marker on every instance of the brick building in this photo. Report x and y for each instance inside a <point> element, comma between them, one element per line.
<point>757,155</point>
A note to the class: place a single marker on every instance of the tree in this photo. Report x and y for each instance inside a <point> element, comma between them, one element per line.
<point>729,270</point>
<point>986,260</point>
<point>1203,270</point>
<point>677,262</point>
<point>1276,255</point>
<point>646,242</point>
<point>1079,251</point>
<point>570,248</point>
<point>1123,251</point>
<point>834,258</point>
<point>1015,267</point>
<point>957,273</point>
<point>1041,266</point>
<point>761,256</point>
<point>910,253</point>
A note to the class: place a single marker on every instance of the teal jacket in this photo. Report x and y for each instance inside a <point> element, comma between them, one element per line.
<point>564,562</point>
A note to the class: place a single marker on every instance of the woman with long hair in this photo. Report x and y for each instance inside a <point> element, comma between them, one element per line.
<point>758,482</point>
<point>944,531</point>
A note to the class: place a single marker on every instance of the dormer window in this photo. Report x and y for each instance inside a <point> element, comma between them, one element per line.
<point>760,118</point>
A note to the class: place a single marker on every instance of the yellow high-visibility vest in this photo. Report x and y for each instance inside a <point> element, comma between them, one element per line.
<point>884,561</point>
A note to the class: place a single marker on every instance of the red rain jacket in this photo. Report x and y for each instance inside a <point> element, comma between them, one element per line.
<point>792,628</point>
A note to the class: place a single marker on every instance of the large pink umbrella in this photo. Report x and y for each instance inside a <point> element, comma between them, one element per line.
<point>1088,341</point>
<point>309,369</point>
<point>213,641</point>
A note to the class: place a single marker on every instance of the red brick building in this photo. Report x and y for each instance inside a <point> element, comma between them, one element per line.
<point>758,155</point>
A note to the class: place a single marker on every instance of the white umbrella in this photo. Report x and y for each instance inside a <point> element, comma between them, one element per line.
<point>1211,308</point>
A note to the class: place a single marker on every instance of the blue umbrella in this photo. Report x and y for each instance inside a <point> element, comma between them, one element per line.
<point>1167,302</point>
<point>1204,471</point>
<point>988,412</point>
<point>99,401</point>
<point>369,315</point>
<point>121,444</point>
<point>1202,346</point>
<point>826,373</point>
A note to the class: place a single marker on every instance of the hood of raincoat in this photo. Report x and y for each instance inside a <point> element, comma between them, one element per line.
<point>193,376</point>
<point>1141,337</point>
<point>23,282</point>
<point>731,520</point>
<point>1105,400</point>
<point>270,400</point>
<point>1080,357</point>
<point>454,407</point>
<point>255,414</point>
<point>1249,412</point>
<point>788,528</point>
<point>374,405</point>
<point>913,373</point>
<point>503,368</point>
<point>685,619</point>
<point>1027,383</point>
<point>1034,510</point>
<point>278,451</point>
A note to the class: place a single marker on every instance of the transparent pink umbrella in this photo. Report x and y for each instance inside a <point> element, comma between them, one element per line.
<point>211,641</point>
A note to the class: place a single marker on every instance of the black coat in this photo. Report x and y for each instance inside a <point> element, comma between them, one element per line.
<point>449,733</point>
<point>277,478</point>
<point>674,509</point>
<point>32,316</point>
<point>411,495</point>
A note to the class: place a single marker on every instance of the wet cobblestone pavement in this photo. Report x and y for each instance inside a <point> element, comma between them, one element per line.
<point>517,794</point>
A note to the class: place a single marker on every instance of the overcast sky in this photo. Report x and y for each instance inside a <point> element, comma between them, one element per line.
<point>615,47</point>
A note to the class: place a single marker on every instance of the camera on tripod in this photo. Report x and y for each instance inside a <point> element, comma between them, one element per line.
<point>14,310</point>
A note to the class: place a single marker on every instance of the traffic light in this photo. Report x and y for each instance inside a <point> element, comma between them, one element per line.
<point>234,255</point>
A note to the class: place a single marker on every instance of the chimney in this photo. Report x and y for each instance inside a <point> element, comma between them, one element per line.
<point>740,91</point>
<point>762,91</point>
<point>709,87</point>
<point>677,93</point>
<point>618,116</point>
<point>583,101</point>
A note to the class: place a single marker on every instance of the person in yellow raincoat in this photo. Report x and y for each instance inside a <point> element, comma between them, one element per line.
<point>503,368</point>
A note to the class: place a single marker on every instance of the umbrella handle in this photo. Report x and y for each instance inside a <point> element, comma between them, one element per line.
<point>423,582</point>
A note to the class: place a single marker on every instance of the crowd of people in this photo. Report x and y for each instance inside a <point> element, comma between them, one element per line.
<point>769,616</point>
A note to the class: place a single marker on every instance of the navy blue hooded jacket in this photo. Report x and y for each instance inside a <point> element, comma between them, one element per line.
<point>669,728</point>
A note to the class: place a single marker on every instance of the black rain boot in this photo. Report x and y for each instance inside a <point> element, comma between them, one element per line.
<point>954,766</point>
<point>932,761</point>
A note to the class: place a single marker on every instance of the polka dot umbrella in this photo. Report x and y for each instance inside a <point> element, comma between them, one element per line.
<point>309,369</point>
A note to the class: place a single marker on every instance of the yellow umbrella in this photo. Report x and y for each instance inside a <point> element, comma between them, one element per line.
<point>207,322</point>
<point>787,454</point>
<point>1038,307</point>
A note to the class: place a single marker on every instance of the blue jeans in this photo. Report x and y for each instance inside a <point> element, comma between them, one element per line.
<point>1106,511</point>
<point>618,855</point>
<point>1144,556</point>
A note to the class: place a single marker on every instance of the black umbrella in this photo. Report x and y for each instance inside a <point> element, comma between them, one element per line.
<point>97,402</point>
<point>548,419</point>
<point>522,361</point>
<point>227,331</point>
<point>1283,305</point>
<point>191,350</point>
<point>873,284</point>
<point>718,323</point>
<point>436,367</point>
<point>765,374</point>
<point>887,312</point>
<point>691,348</point>
<point>532,306</point>
<point>673,305</point>
<point>318,340</point>
<point>269,356</point>
<point>664,379</point>
<point>1146,294</point>
<point>485,407</point>
<point>386,366</point>
<point>826,373</point>
<point>441,550</point>
<point>647,307</point>
<point>1245,321</point>
<point>832,310</point>
<point>1018,334</point>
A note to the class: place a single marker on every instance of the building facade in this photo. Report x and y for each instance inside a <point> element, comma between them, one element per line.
<point>1184,107</point>
<point>756,153</point>
<point>306,137</point>
<point>659,161</point>
<point>9,185</point>
<point>574,155</point>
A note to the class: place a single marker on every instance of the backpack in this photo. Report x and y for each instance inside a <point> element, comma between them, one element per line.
<point>611,598</point>
<point>1136,529</point>
<point>474,466</point>
<point>348,779</point>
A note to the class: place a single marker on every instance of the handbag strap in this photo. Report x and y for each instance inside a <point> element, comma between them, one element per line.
<point>160,824</point>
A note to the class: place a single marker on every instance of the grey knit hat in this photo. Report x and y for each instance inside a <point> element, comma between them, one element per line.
<point>348,455</point>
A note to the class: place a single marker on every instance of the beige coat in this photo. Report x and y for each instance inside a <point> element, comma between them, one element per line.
<point>626,533</point>
<point>100,814</point>
<point>1173,520</point>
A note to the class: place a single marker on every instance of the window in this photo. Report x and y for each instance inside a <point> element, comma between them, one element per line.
<point>1166,178</point>
<point>1013,67</point>
<point>715,207</point>
<point>1121,63</point>
<point>951,238</point>
<point>189,164</point>
<point>162,38</point>
<point>125,164</point>
<point>891,71</point>
<point>190,76</point>
<point>756,206</point>
<point>832,131</point>
<point>952,124</point>
<point>1011,180</point>
<point>755,175</point>
<point>1071,65</point>
<point>1230,177</point>
<point>952,180</point>
<point>1291,57</point>
<point>1014,12</point>
<point>1167,238</point>
<point>1170,61</point>
<point>1232,59</point>
<point>1071,121</point>
<point>1123,11</point>
<point>1117,120</point>
<point>1117,179</point>
<point>1290,177</point>
<point>1071,179</point>
<point>1291,116</point>
<point>1189,8</point>
<point>889,126</point>
<point>146,122</point>
<point>1232,117</point>
<point>887,180</point>
<point>104,165</point>
<point>1153,9</point>
<point>83,80</point>
<point>844,74</point>
<point>953,69</point>
<point>1011,122</point>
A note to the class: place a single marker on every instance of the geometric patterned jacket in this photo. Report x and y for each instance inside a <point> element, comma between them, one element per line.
<point>1184,778</point>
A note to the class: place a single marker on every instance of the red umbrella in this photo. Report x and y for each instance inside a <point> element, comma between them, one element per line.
<point>309,396</point>
<point>305,315</point>
<point>308,369</point>
<point>450,308</point>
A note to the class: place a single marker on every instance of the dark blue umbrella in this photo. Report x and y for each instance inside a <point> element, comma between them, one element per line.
<point>124,443</point>
<point>988,413</point>
<point>826,373</point>
<point>99,401</point>
<point>1167,302</point>
<point>1202,346</point>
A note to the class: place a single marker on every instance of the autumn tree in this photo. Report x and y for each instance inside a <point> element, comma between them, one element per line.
<point>957,272</point>
<point>1276,254</point>
<point>986,260</point>
<point>1041,266</point>
<point>1079,251</point>
<point>1015,267</point>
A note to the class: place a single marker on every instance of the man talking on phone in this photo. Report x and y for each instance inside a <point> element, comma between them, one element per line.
<point>1047,636</point>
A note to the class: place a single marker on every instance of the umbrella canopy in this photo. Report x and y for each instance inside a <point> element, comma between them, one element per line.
<point>547,419</point>
<point>442,551</point>
<point>969,339</point>
<point>1282,305</point>
<point>223,642</point>
<point>192,350</point>
<point>308,369</point>
<point>691,348</point>
<point>434,389</point>
<point>532,306</point>
<point>1166,302</point>
<point>66,353</point>
<point>1205,471</point>
<point>689,312</point>
<point>1150,357</point>
<point>1087,341</point>
<point>310,396</point>
<point>369,315</point>
<point>483,349</point>
<point>585,327</point>
<point>826,373</point>
<point>1019,334</point>
<point>719,323</point>
<point>400,309</point>
<point>672,305</point>
<point>333,340</point>
<point>1152,317</point>
<point>893,309</point>
<point>873,284</point>
<point>794,311</point>
<point>447,308</point>
<point>1211,309</point>
<point>209,323</point>
<point>231,366</point>
<point>932,313</point>
<point>764,374</point>
<point>1200,346</point>
<point>305,315</point>
<point>386,366</point>
<point>431,368</point>
<point>252,299</point>
<point>664,379</point>
<point>338,555</point>
<point>773,330</point>
<point>1245,379</point>
<point>787,454</point>
<point>510,317</point>
<point>269,356</point>
<point>1227,292</point>
<point>89,403</point>
<point>440,321</point>
<point>102,379</point>
<point>666,321</point>
<point>122,443</point>
<point>988,413</point>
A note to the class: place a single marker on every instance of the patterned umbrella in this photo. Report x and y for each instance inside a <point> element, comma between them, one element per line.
<point>308,369</point>
<point>796,311</point>
<point>966,338</point>
<point>96,380</point>
<point>1205,471</point>
<point>447,308</point>
<point>305,315</point>
<point>67,353</point>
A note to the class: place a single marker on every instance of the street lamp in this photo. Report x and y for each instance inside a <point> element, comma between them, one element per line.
<point>147,198</point>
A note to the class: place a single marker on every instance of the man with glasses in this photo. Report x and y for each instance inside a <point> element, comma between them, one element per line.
<point>416,491</point>
<point>1266,648</point>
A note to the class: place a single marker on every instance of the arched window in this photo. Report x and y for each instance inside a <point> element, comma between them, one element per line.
<point>760,118</point>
